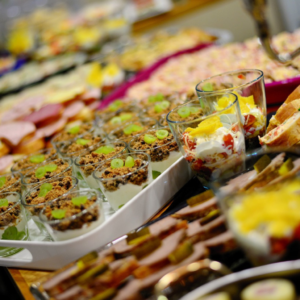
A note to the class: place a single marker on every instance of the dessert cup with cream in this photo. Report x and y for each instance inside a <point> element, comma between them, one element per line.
<point>122,177</point>
<point>73,214</point>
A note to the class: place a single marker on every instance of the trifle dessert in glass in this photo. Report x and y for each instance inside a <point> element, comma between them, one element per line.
<point>13,222</point>
<point>131,129</point>
<point>10,182</point>
<point>211,143</point>
<point>248,86</point>
<point>122,177</point>
<point>36,198</point>
<point>32,160</point>
<point>73,215</point>
<point>72,131</point>
<point>49,169</point>
<point>160,145</point>
<point>89,160</point>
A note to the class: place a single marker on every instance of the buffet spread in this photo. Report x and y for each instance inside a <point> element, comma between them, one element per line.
<point>142,187</point>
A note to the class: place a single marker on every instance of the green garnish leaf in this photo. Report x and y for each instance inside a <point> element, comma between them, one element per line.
<point>105,150</point>
<point>184,112</point>
<point>82,142</point>
<point>77,201</point>
<point>36,159</point>
<point>21,235</point>
<point>120,206</point>
<point>129,162</point>
<point>115,105</point>
<point>149,138</point>
<point>44,189</point>
<point>79,176</point>
<point>155,174</point>
<point>125,117</point>
<point>58,213</point>
<point>145,186</point>
<point>40,172</point>
<point>2,181</point>
<point>207,87</point>
<point>10,233</point>
<point>74,130</point>
<point>132,128</point>
<point>161,134</point>
<point>115,121</point>
<point>50,167</point>
<point>3,202</point>
<point>117,163</point>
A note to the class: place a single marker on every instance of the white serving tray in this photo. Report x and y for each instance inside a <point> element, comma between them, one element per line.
<point>54,255</point>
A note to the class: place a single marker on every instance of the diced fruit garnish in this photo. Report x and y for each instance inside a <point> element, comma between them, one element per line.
<point>115,105</point>
<point>93,272</point>
<point>74,130</point>
<point>125,117</point>
<point>228,141</point>
<point>58,213</point>
<point>155,174</point>
<point>2,181</point>
<point>116,120</point>
<point>40,172</point>
<point>3,202</point>
<point>117,163</point>
<point>36,159</point>
<point>149,138</point>
<point>44,189</point>
<point>50,167</point>
<point>132,128</point>
<point>262,163</point>
<point>159,107</point>
<point>82,142</point>
<point>194,110</point>
<point>207,126</point>
<point>184,112</point>
<point>165,104</point>
<point>183,251</point>
<point>287,166</point>
<point>207,87</point>
<point>161,134</point>
<point>198,199</point>
<point>77,201</point>
<point>157,98</point>
<point>105,150</point>
<point>132,236</point>
<point>147,247</point>
<point>129,162</point>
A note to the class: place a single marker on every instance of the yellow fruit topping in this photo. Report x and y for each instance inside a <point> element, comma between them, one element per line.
<point>276,211</point>
<point>208,126</point>
<point>224,102</point>
<point>111,70</point>
<point>95,76</point>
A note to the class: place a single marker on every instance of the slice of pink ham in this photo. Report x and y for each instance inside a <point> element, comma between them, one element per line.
<point>50,129</point>
<point>168,245</point>
<point>221,243</point>
<point>73,109</point>
<point>91,94</point>
<point>5,162</point>
<point>46,112</point>
<point>95,105</point>
<point>197,211</point>
<point>14,132</point>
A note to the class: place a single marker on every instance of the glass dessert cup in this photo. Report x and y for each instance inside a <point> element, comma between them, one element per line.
<point>36,198</point>
<point>76,213</point>
<point>10,182</point>
<point>248,85</point>
<point>13,222</point>
<point>211,143</point>
<point>121,183</point>
<point>88,161</point>
<point>63,168</point>
<point>129,130</point>
<point>69,133</point>
<point>31,161</point>
<point>163,152</point>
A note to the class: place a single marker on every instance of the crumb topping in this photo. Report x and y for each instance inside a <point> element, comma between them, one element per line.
<point>136,177</point>
<point>11,216</point>
<point>65,135</point>
<point>87,217</point>
<point>12,184</point>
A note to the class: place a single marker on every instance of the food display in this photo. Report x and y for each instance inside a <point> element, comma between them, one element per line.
<point>160,145</point>
<point>73,214</point>
<point>10,182</point>
<point>123,177</point>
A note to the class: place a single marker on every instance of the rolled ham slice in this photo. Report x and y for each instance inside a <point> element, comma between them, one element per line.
<point>45,113</point>
<point>73,109</point>
<point>50,129</point>
<point>14,132</point>
<point>91,94</point>
<point>197,211</point>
